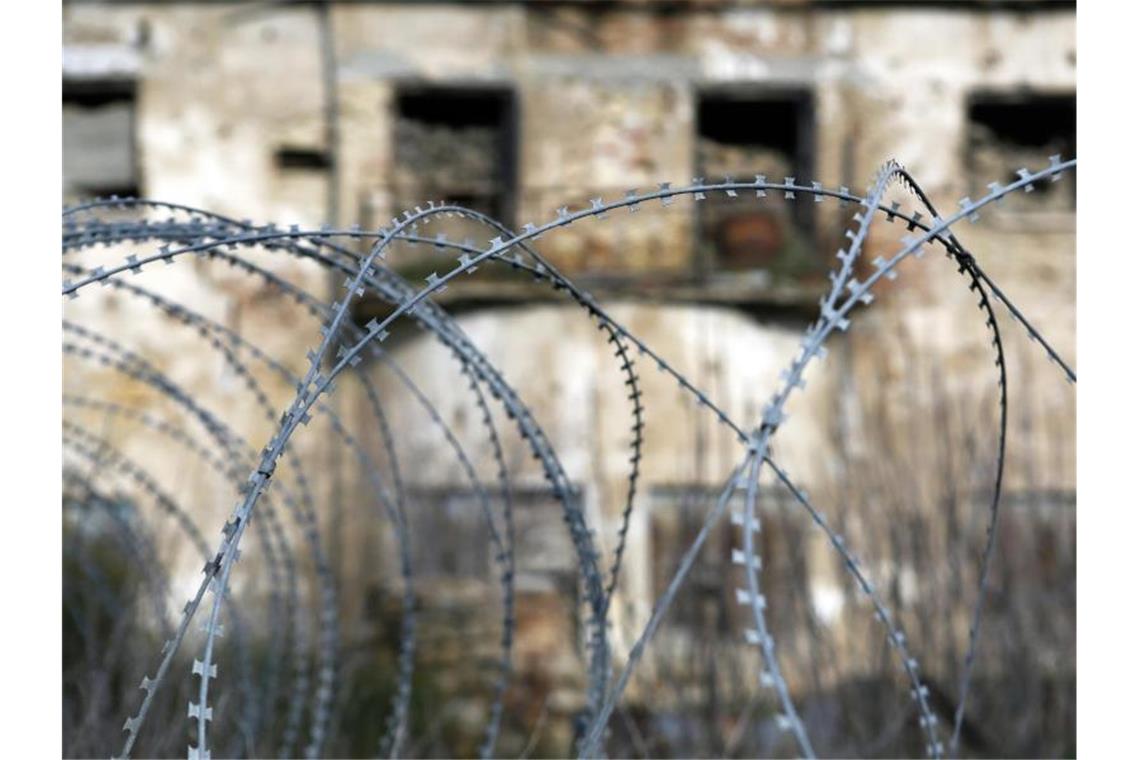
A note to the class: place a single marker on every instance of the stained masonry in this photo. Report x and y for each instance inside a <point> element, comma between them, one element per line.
<point>225,103</point>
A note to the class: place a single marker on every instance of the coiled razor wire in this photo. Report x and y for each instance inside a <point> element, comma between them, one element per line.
<point>186,233</point>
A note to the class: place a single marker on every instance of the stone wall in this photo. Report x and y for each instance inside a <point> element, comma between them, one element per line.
<point>605,100</point>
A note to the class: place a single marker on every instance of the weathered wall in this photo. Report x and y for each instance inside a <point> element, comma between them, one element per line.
<point>605,103</point>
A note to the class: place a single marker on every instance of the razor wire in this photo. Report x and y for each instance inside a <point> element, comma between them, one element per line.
<point>192,234</point>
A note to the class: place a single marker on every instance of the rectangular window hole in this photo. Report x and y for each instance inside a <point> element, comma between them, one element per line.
<point>742,132</point>
<point>288,157</point>
<point>457,144</point>
<point>1008,131</point>
<point>99,155</point>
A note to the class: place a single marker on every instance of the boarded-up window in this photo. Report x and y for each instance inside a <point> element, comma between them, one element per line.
<point>98,139</point>
<point>707,604</point>
<point>742,133</point>
<point>703,606</point>
<point>452,539</point>
<point>449,535</point>
<point>1007,132</point>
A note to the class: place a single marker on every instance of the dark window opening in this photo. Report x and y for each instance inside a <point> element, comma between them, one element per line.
<point>99,157</point>
<point>456,144</point>
<point>1009,131</point>
<point>288,157</point>
<point>742,133</point>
